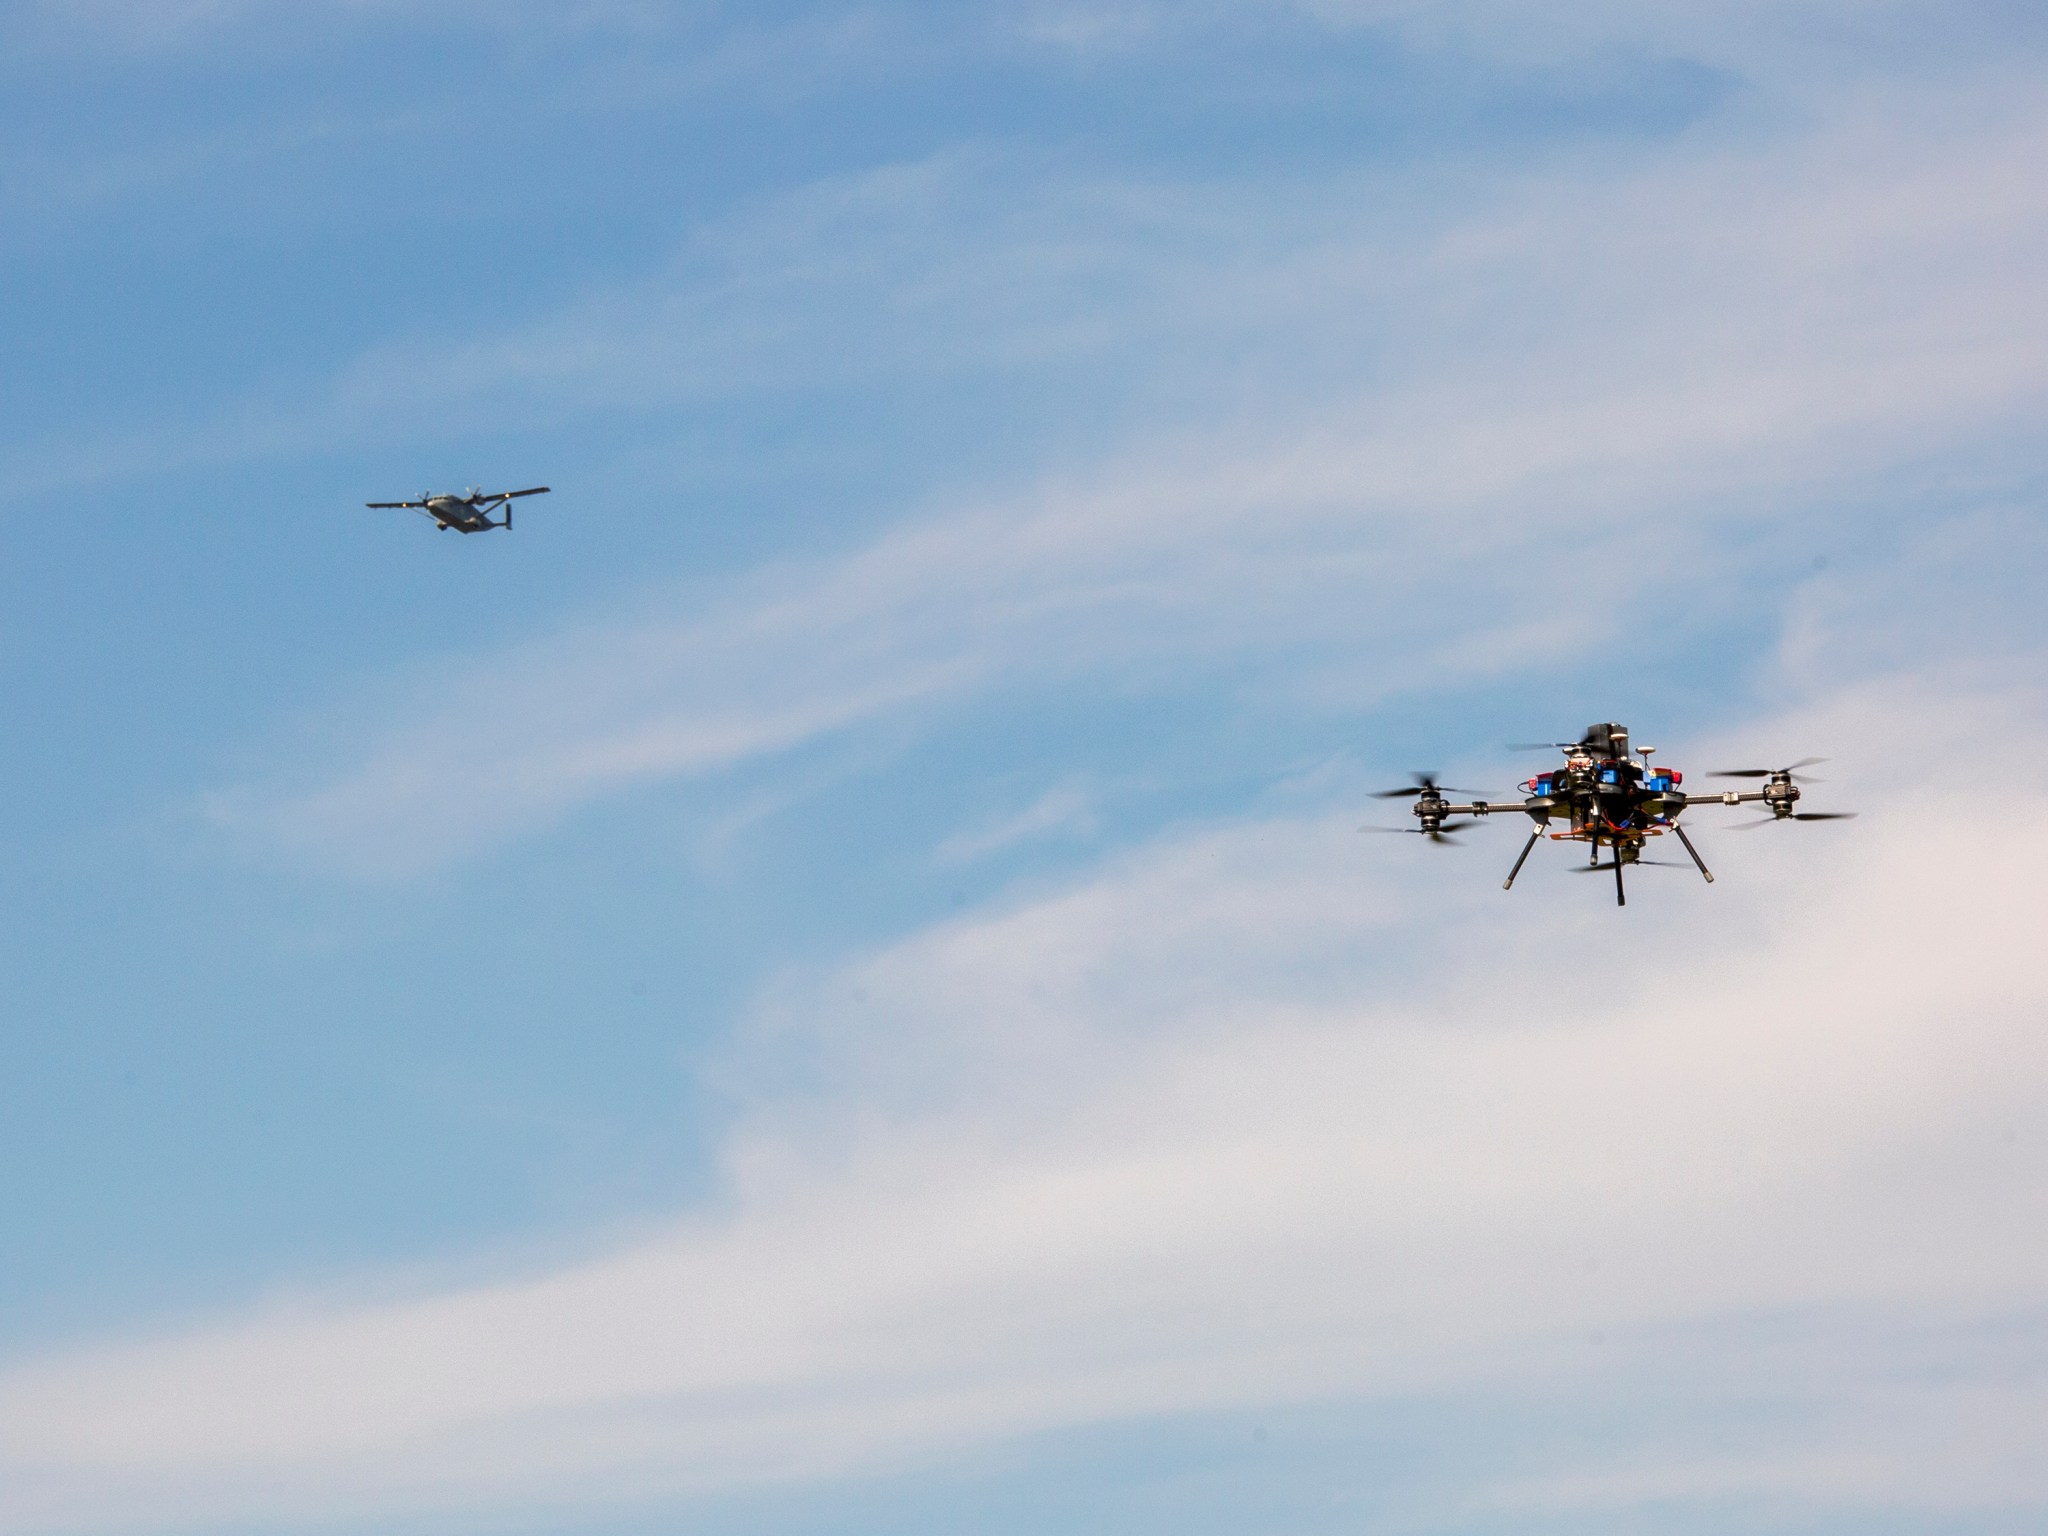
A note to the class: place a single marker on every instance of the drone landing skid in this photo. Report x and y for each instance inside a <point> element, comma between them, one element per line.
<point>1534,838</point>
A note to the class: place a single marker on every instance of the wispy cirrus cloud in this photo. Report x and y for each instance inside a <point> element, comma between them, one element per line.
<point>1065,808</point>
<point>1251,1114</point>
<point>1177,1137</point>
<point>1715,343</point>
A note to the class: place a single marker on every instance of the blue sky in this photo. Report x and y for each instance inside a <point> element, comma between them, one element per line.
<point>827,983</point>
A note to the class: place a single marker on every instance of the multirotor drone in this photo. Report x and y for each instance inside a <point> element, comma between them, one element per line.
<point>1610,797</point>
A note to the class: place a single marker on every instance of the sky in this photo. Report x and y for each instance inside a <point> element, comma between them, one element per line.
<point>828,982</point>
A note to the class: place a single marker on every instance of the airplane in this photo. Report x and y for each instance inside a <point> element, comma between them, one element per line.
<point>1609,797</point>
<point>470,513</point>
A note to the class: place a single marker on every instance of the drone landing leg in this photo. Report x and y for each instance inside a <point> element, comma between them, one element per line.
<point>1620,895</point>
<point>1693,851</point>
<point>1509,883</point>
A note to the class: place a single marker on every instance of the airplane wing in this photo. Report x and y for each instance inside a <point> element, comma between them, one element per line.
<point>414,504</point>
<point>538,490</point>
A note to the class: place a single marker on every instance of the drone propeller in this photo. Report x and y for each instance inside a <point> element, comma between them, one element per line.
<point>1765,773</point>
<point>1434,834</point>
<point>1608,869</point>
<point>1425,784</point>
<point>1589,742</point>
<point>1745,826</point>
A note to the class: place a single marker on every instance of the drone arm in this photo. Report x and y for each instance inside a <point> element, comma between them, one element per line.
<point>1723,797</point>
<point>1492,807</point>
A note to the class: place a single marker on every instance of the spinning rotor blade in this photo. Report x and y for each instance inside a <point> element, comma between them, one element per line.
<point>1425,784</point>
<point>1765,773</point>
<point>1749,826</point>
<point>1587,869</point>
<point>1434,834</point>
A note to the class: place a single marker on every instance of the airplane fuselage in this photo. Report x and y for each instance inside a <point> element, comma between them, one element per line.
<point>457,513</point>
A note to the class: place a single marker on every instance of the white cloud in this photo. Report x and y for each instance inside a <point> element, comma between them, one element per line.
<point>1754,35</point>
<point>1600,382</point>
<point>1200,1133</point>
<point>1065,808</point>
<point>1258,1114</point>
